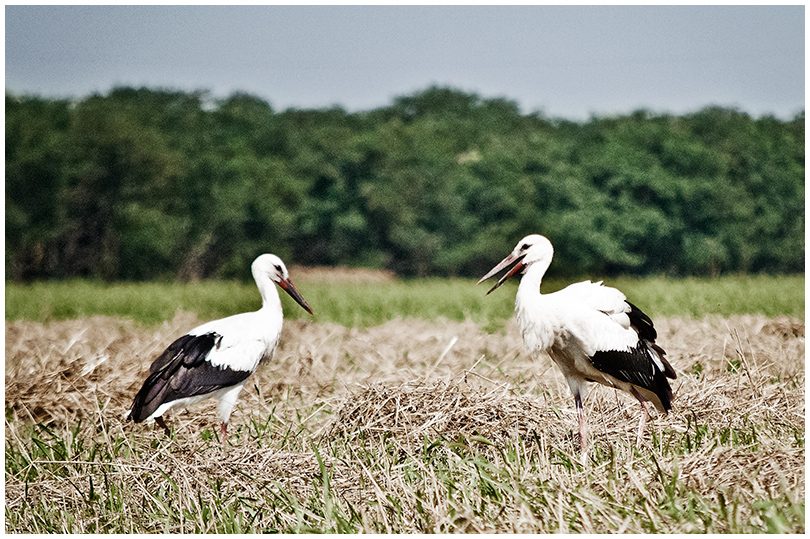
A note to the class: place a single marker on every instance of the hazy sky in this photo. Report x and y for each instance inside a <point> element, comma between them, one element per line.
<point>566,61</point>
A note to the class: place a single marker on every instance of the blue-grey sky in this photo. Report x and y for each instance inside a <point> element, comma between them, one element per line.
<point>564,61</point>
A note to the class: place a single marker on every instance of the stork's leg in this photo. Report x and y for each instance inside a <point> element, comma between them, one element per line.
<point>226,403</point>
<point>644,415</point>
<point>583,425</point>
<point>162,424</point>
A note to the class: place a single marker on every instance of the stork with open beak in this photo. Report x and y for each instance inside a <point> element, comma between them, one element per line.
<point>590,331</point>
<point>216,358</point>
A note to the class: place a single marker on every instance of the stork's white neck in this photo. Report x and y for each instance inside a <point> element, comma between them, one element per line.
<point>271,313</point>
<point>530,309</point>
<point>532,278</point>
<point>270,299</point>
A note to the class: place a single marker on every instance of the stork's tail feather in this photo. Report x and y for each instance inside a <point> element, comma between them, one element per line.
<point>668,370</point>
<point>660,385</point>
<point>664,392</point>
<point>149,398</point>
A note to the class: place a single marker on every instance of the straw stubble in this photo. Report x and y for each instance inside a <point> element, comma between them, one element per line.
<point>409,426</point>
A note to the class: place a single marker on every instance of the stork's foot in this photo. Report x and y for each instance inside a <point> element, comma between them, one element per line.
<point>223,432</point>
<point>583,427</point>
<point>645,414</point>
<point>583,439</point>
<point>642,424</point>
<point>162,424</point>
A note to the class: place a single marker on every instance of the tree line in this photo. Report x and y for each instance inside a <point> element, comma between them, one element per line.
<point>148,184</point>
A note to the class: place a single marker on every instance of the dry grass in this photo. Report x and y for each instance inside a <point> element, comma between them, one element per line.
<point>410,426</point>
<point>340,274</point>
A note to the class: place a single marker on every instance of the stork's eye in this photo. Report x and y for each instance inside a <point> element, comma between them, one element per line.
<point>278,268</point>
<point>524,246</point>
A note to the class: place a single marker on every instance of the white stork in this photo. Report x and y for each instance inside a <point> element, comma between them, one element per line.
<point>216,358</point>
<point>589,330</point>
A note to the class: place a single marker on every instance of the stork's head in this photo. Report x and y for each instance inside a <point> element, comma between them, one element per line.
<point>532,249</point>
<point>271,267</point>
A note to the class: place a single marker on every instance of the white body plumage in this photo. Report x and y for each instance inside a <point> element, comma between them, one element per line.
<point>215,359</point>
<point>590,331</point>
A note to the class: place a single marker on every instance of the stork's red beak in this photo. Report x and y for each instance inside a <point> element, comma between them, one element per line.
<point>512,258</point>
<point>290,288</point>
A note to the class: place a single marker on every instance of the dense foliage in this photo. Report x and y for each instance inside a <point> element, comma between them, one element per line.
<point>144,183</point>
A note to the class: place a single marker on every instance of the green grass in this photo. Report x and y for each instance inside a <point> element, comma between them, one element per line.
<point>363,305</point>
<point>696,297</point>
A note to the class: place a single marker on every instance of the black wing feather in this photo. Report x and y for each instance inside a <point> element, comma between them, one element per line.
<point>193,349</point>
<point>637,366</point>
<point>182,371</point>
<point>642,323</point>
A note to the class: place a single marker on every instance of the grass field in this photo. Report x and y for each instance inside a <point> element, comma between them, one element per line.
<point>403,407</point>
<point>366,304</point>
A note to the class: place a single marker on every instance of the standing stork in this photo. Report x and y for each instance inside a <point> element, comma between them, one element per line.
<point>589,330</point>
<point>216,358</point>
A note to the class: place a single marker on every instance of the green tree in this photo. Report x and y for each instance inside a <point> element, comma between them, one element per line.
<point>143,183</point>
<point>36,140</point>
<point>120,172</point>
